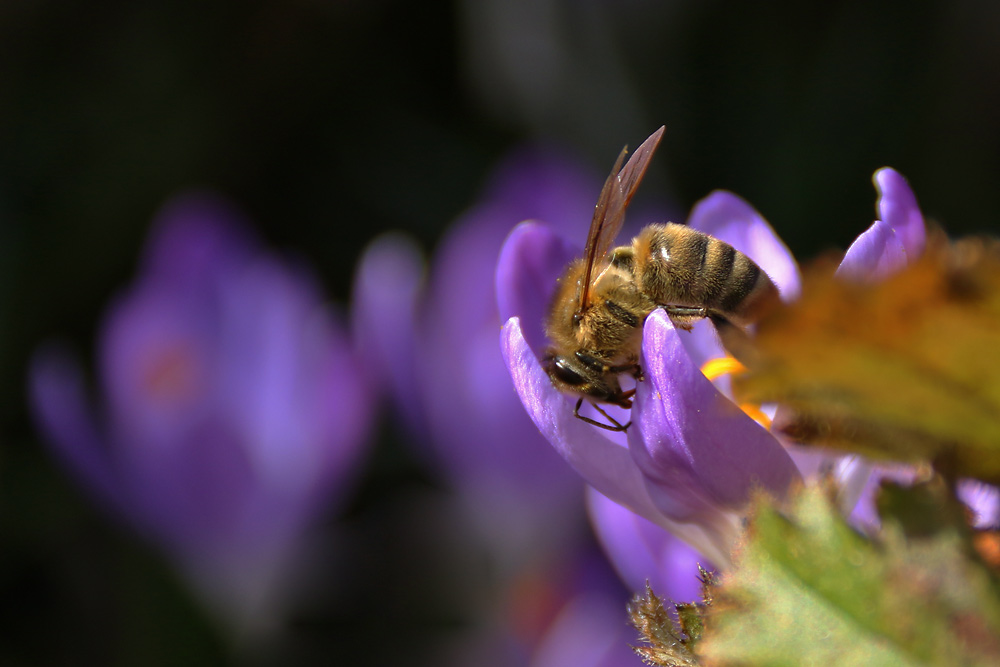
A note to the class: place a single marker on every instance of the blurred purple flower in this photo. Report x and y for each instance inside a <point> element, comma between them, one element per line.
<point>439,357</point>
<point>233,411</point>
<point>692,457</point>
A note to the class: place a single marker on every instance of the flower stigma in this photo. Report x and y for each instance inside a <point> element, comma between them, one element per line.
<point>171,374</point>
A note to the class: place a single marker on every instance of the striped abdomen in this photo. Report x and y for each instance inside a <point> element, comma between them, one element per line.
<point>675,265</point>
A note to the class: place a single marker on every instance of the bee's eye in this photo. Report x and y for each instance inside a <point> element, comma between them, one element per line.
<point>562,372</point>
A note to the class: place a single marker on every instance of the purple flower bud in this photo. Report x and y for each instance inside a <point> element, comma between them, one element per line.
<point>894,239</point>
<point>231,414</point>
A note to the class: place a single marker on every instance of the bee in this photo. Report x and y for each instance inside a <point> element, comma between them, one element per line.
<point>596,317</point>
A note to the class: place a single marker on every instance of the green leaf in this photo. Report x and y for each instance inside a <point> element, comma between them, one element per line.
<point>906,369</point>
<point>809,590</point>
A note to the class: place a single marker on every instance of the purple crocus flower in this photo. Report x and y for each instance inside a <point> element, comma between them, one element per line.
<point>232,413</point>
<point>692,458</point>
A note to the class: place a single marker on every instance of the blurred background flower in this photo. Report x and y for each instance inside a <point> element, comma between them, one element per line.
<point>437,351</point>
<point>232,411</point>
<point>330,123</point>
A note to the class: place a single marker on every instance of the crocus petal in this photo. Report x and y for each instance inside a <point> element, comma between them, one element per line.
<point>273,376</point>
<point>196,236</point>
<point>532,256</point>
<point>875,254</point>
<point>641,551</point>
<point>157,360</point>
<point>602,463</point>
<point>897,207</point>
<point>588,632</point>
<point>700,454</point>
<point>466,389</point>
<point>983,500</point>
<point>59,402</point>
<point>540,183</point>
<point>730,218</point>
<point>384,307</point>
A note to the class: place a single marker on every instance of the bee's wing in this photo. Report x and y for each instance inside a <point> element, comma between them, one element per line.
<point>609,213</point>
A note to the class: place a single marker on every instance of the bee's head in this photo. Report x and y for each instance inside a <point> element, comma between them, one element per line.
<point>581,376</point>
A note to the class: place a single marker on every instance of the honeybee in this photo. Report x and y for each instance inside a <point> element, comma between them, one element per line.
<point>602,299</point>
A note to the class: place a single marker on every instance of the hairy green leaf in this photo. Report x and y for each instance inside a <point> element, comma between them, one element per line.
<point>906,369</point>
<point>809,590</point>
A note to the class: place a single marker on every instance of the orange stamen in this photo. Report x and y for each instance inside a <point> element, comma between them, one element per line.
<point>716,368</point>
<point>754,412</point>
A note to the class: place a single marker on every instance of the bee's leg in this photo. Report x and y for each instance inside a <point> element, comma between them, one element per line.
<point>615,425</point>
<point>633,368</point>
<point>684,317</point>
<point>594,362</point>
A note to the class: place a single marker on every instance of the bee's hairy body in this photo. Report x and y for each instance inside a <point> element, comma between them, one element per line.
<point>689,274</point>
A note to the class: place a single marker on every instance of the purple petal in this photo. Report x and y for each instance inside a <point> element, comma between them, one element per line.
<point>60,409</point>
<point>465,385</point>
<point>531,185</point>
<point>984,501</point>
<point>539,183</point>
<point>875,254</point>
<point>196,236</point>
<point>602,463</point>
<point>642,551</point>
<point>384,310</point>
<point>156,358</point>
<point>700,454</point>
<point>897,207</point>
<point>865,513</point>
<point>729,218</point>
<point>703,344</point>
<point>507,472</point>
<point>852,474</point>
<point>531,261</point>
<point>588,632</point>
<point>273,376</point>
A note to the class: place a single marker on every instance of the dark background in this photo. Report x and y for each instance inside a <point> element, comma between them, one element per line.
<point>329,122</point>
